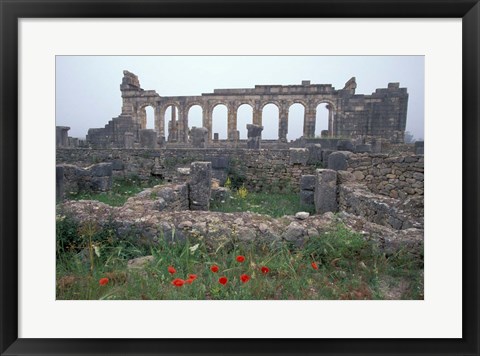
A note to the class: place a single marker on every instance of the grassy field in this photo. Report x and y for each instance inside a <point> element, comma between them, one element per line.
<point>92,264</point>
<point>122,189</point>
<point>273,204</point>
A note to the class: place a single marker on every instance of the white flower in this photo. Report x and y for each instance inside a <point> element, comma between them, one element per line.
<point>193,248</point>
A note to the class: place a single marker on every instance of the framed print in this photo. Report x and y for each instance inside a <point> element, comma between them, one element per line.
<point>239,177</point>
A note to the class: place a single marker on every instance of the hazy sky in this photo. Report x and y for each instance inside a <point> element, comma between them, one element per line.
<point>88,87</point>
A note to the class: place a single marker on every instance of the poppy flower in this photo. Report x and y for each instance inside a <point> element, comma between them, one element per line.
<point>189,281</point>
<point>223,280</point>
<point>214,268</point>
<point>103,281</point>
<point>314,265</point>
<point>244,278</point>
<point>192,277</point>
<point>265,269</point>
<point>171,270</point>
<point>177,282</point>
<point>240,258</point>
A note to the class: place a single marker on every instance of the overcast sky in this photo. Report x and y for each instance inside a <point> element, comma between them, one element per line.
<point>88,87</point>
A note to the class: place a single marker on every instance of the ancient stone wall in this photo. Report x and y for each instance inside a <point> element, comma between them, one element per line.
<point>273,170</point>
<point>382,114</point>
<point>393,176</point>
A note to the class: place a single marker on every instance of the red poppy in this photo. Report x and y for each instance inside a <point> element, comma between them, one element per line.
<point>314,265</point>
<point>214,268</point>
<point>171,270</point>
<point>189,281</point>
<point>103,281</point>
<point>240,258</point>
<point>192,277</point>
<point>177,282</point>
<point>244,278</point>
<point>265,269</point>
<point>223,280</point>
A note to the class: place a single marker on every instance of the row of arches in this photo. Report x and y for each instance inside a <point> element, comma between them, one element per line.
<point>270,114</point>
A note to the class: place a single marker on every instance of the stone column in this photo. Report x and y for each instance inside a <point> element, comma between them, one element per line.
<point>182,131</point>
<point>61,133</point>
<point>159,121</point>
<point>254,136</point>
<point>257,114</point>
<point>172,125</point>
<point>325,191</point>
<point>207,120</point>
<point>330,120</point>
<point>142,118</point>
<point>232,121</point>
<point>283,123</point>
<point>309,122</point>
<point>200,185</point>
<point>59,184</point>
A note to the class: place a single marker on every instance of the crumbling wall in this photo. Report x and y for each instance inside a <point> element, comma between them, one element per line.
<point>72,179</point>
<point>274,170</point>
<point>393,176</point>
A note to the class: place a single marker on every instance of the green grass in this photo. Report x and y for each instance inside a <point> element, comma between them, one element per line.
<point>273,204</point>
<point>122,189</point>
<point>349,268</point>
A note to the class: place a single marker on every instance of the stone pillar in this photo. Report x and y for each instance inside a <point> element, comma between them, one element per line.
<point>207,121</point>
<point>254,136</point>
<point>232,122</point>
<point>309,122</point>
<point>283,123</point>
<point>215,137</point>
<point>142,118</point>
<point>148,138</point>
<point>257,114</point>
<point>59,184</point>
<point>159,121</point>
<point>199,137</point>
<point>330,121</point>
<point>172,125</point>
<point>307,189</point>
<point>182,132</point>
<point>61,136</point>
<point>325,191</point>
<point>200,185</point>
<point>128,140</point>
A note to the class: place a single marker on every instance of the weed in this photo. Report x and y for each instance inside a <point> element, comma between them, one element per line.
<point>346,267</point>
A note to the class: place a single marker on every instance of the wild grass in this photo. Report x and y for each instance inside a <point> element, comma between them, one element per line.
<point>348,267</point>
<point>122,189</point>
<point>272,204</point>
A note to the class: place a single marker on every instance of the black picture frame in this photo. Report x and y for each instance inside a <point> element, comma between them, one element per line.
<point>12,11</point>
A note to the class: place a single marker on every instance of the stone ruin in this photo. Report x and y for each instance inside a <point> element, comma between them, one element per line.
<point>358,172</point>
<point>382,114</point>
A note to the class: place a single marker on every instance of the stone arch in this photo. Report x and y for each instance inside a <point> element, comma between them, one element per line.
<point>270,120</point>
<point>146,121</point>
<point>244,117</point>
<point>169,123</point>
<point>219,112</point>
<point>296,119</point>
<point>197,117</point>
<point>277,103</point>
<point>298,101</point>
<point>193,103</point>
<point>328,120</point>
